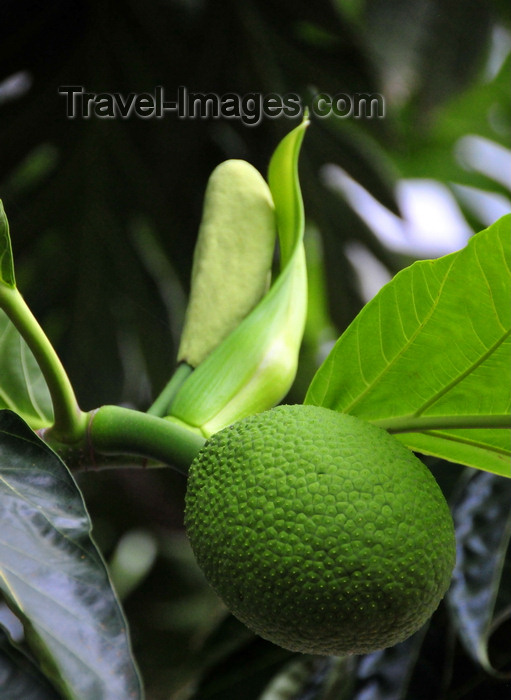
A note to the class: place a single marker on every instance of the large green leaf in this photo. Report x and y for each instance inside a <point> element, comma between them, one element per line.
<point>428,357</point>
<point>53,577</point>
<point>22,385</point>
<point>478,600</point>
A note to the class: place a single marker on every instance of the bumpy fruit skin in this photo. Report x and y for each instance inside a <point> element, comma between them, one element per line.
<point>321,532</point>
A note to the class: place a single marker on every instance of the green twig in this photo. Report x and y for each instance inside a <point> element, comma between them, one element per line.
<point>69,421</point>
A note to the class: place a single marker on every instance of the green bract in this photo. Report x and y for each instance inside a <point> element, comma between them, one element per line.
<point>254,367</point>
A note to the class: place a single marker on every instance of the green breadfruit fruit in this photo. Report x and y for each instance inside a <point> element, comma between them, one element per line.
<point>321,532</point>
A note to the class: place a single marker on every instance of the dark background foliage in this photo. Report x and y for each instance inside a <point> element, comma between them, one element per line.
<point>104,215</point>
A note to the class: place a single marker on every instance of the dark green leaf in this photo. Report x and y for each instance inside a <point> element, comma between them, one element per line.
<point>428,357</point>
<point>20,679</point>
<point>482,516</point>
<point>22,385</point>
<point>53,577</point>
<point>6,261</point>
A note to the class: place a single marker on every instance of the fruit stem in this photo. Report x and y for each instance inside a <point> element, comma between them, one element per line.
<point>118,430</point>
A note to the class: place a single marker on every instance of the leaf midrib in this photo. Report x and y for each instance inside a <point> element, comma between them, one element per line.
<point>445,390</point>
<point>409,342</point>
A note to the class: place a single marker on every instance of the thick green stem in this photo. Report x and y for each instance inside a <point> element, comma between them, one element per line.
<point>416,424</point>
<point>161,407</point>
<point>69,421</point>
<point>118,430</point>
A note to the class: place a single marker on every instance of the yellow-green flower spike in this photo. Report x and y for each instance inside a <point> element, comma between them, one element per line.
<point>254,367</point>
<point>232,260</point>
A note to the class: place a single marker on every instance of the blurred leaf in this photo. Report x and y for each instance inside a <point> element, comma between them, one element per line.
<point>235,663</point>
<point>131,562</point>
<point>228,637</point>
<point>20,679</point>
<point>386,674</point>
<point>6,261</point>
<point>243,674</point>
<point>482,517</point>
<point>22,385</point>
<point>446,60</point>
<point>358,153</point>
<point>420,668</point>
<point>483,110</point>
<point>423,46</point>
<point>431,352</point>
<point>33,169</point>
<point>312,678</point>
<point>53,577</point>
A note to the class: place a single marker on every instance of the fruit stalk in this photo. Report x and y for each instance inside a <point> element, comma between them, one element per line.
<point>116,430</point>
